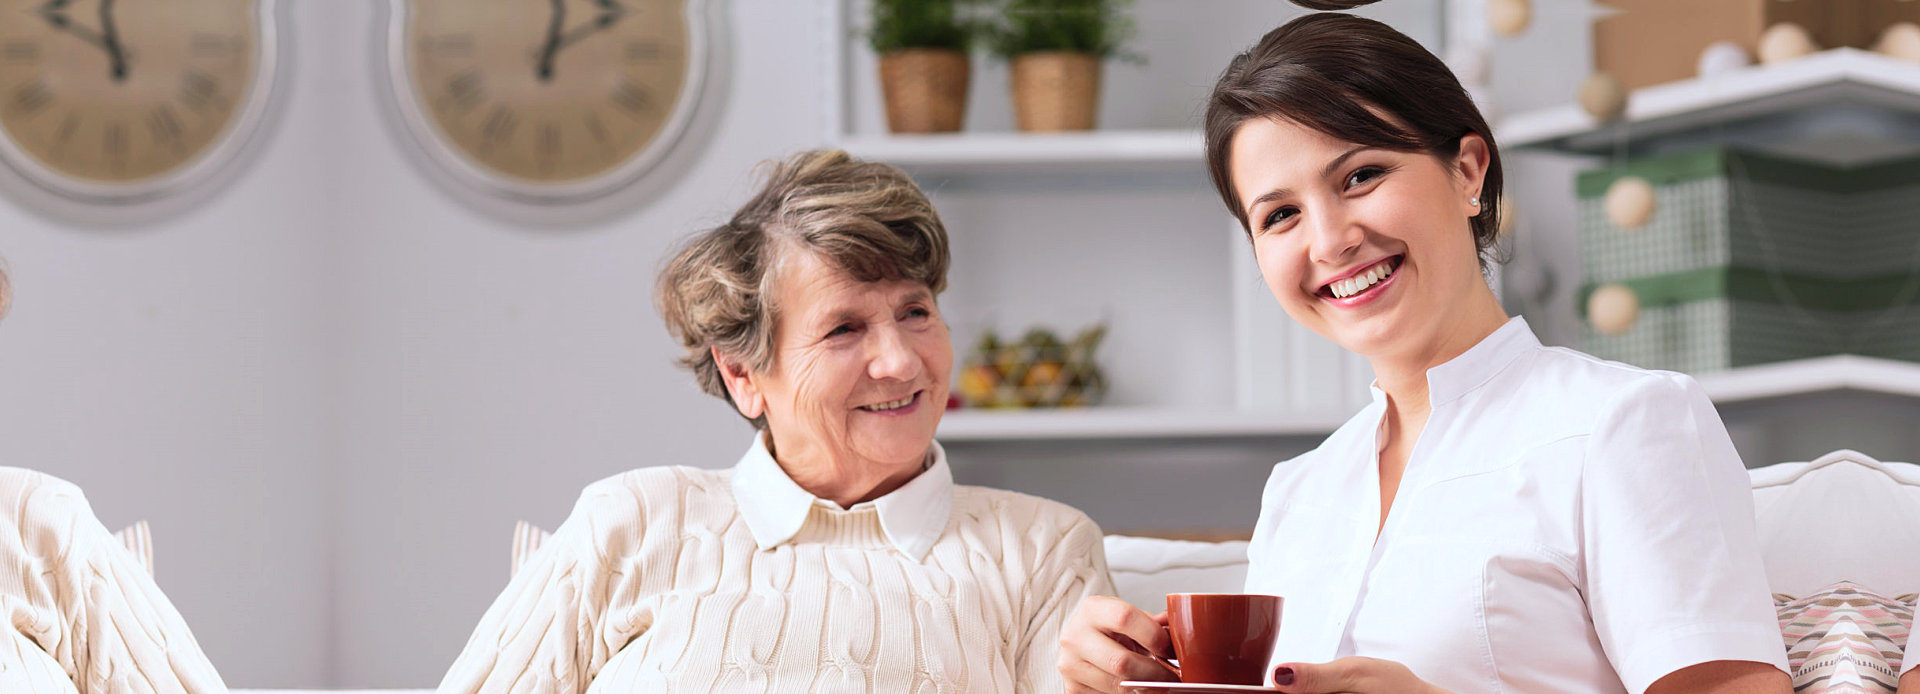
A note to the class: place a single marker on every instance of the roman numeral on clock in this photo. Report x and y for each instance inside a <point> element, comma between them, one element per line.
<point>198,90</point>
<point>18,51</point>
<point>31,97</point>
<point>466,90</point>
<point>631,97</point>
<point>498,128</point>
<point>164,126</point>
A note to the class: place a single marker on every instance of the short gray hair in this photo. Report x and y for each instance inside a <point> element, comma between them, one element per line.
<point>866,219</point>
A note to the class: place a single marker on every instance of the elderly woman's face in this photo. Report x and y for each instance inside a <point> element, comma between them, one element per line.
<point>1370,248</point>
<point>859,374</point>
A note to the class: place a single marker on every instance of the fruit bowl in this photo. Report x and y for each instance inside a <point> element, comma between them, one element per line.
<point>1038,370</point>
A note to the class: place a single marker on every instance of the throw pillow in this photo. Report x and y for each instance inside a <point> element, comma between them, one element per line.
<point>1845,638</point>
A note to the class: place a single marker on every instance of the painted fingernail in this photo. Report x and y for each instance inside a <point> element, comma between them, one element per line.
<point>1283,675</point>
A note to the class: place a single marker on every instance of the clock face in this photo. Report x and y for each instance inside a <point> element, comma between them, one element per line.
<point>123,91</point>
<point>548,92</point>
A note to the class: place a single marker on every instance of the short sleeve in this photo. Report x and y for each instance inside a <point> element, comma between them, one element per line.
<point>540,634</point>
<point>1672,570</point>
<point>84,601</point>
<point>1074,570</point>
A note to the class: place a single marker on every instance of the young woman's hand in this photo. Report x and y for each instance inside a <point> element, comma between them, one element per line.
<point>1106,642</point>
<point>1350,676</point>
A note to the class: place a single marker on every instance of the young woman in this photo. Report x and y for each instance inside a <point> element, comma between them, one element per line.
<point>1505,517</point>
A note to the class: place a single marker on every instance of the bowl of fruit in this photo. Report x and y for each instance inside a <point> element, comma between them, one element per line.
<point>1037,370</point>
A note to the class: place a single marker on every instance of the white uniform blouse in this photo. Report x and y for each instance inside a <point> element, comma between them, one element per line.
<point>1565,524</point>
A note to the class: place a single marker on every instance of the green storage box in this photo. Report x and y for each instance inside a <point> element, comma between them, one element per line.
<point>1750,259</point>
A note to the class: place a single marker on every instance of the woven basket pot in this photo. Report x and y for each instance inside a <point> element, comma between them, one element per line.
<point>925,89</point>
<point>1055,91</point>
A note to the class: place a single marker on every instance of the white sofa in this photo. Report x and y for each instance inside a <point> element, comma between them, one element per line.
<point>1844,516</point>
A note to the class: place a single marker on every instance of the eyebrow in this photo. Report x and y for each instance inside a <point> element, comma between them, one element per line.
<point>844,314</point>
<point>1325,171</point>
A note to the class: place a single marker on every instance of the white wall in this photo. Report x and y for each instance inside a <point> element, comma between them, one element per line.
<point>177,371</point>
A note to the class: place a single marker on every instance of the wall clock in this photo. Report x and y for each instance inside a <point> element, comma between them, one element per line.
<point>546,101</point>
<point>126,101</point>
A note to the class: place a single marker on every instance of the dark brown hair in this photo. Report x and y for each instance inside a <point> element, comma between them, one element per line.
<point>866,219</point>
<point>1332,4</point>
<point>1356,80</point>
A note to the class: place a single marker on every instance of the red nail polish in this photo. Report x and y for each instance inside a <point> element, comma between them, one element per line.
<point>1283,676</point>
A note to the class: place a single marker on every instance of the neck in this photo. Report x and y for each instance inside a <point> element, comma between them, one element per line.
<point>1403,375</point>
<point>840,479</point>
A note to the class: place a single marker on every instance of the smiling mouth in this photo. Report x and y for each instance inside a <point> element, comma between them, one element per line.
<point>894,405</point>
<point>1362,281</point>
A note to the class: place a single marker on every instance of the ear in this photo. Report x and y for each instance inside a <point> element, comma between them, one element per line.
<point>1471,166</point>
<point>741,386</point>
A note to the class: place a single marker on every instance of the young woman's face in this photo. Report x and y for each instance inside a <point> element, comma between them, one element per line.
<point>1370,248</point>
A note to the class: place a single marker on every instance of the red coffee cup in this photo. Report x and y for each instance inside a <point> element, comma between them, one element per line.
<point>1223,638</point>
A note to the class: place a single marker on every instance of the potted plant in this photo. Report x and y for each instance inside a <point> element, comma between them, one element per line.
<point>1055,48</point>
<point>922,46</point>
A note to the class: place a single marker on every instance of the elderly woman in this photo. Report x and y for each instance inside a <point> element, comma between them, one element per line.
<point>1505,517</point>
<point>837,554</point>
<point>82,615</point>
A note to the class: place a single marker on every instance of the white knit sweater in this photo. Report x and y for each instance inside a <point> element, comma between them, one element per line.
<point>656,583</point>
<point>82,614</point>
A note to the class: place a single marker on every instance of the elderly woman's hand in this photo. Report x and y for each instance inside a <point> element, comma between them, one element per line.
<point>1106,642</point>
<point>1351,676</point>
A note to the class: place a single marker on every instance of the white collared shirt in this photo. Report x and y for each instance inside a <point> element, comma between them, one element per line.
<point>1565,524</point>
<point>776,508</point>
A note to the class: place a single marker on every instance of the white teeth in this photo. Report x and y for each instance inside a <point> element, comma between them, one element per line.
<point>1358,283</point>
<point>882,407</point>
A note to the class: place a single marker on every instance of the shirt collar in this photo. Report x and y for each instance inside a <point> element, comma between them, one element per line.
<point>775,507</point>
<point>1474,367</point>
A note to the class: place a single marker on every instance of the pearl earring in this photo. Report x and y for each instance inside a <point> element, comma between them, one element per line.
<point>1474,201</point>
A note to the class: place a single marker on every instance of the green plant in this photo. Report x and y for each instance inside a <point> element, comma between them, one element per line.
<point>902,24</point>
<point>1100,27</point>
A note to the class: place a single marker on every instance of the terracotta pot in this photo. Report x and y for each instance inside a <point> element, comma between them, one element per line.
<point>1056,91</point>
<point>925,89</point>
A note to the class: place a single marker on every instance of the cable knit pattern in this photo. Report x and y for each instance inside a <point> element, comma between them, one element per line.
<point>655,584</point>
<point>84,614</point>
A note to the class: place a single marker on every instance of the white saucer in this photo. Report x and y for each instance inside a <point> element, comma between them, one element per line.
<point>1195,687</point>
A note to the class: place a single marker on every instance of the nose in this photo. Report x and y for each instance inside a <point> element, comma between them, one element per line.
<point>1333,237</point>
<point>892,357</point>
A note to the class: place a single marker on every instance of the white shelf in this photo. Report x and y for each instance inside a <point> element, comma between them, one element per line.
<point>1821,374</point>
<point>1764,96</point>
<point>1785,379</point>
<point>1081,152</point>
<point>1125,423</point>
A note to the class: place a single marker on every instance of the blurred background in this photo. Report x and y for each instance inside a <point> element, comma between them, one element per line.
<point>337,306</point>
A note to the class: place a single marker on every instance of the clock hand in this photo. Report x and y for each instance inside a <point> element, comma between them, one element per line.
<point>116,55</point>
<point>55,14</point>
<point>611,12</point>
<point>544,68</point>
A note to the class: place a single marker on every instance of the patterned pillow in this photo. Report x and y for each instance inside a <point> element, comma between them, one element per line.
<point>1845,638</point>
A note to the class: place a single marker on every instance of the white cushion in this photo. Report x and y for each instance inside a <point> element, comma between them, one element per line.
<point>1843,517</point>
<point>138,540</point>
<point>1146,569</point>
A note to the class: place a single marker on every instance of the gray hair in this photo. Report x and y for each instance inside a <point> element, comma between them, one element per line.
<point>866,219</point>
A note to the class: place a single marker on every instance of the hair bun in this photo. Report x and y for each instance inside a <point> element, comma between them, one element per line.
<point>1332,4</point>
